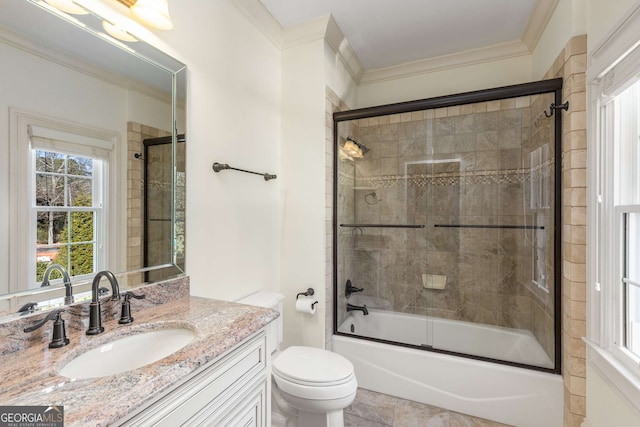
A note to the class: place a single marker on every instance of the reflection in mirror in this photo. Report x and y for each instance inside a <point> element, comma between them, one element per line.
<point>81,186</point>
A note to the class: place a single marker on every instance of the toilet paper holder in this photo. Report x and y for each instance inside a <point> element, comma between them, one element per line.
<point>308,293</point>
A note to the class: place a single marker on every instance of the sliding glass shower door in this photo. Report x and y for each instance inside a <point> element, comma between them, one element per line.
<point>446,224</point>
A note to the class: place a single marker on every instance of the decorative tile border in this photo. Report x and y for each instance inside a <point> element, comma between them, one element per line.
<point>498,176</point>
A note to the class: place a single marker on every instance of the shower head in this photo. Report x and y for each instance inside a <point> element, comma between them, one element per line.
<point>354,149</point>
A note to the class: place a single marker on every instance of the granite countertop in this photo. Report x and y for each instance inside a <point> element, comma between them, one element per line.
<point>29,376</point>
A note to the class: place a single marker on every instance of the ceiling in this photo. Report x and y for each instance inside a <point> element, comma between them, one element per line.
<point>386,33</point>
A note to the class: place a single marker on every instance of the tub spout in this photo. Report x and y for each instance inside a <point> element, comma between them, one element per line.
<point>363,309</point>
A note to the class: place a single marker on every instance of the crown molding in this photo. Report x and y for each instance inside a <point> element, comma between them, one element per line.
<point>74,63</point>
<point>339,43</point>
<point>542,12</point>
<point>306,32</point>
<point>468,57</point>
<point>322,28</point>
<point>325,28</point>
<point>262,19</point>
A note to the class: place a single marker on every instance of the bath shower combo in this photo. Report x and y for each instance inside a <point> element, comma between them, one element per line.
<point>449,225</point>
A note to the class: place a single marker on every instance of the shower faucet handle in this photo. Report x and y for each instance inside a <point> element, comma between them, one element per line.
<point>349,289</point>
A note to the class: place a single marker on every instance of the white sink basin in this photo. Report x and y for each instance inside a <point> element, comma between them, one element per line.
<point>128,353</point>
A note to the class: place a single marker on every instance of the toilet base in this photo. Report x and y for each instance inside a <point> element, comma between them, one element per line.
<point>286,412</point>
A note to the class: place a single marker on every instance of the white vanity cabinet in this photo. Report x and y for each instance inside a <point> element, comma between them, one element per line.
<point>232,390</point>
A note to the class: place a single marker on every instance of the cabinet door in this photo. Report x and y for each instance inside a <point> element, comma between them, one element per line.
<point>210,391</point>
<point>247,409</point>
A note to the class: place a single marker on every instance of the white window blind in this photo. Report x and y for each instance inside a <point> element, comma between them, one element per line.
<point>68,142</point>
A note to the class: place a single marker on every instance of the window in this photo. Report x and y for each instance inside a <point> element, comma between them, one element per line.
<point>613,258</point>
<point>624,118</point>
<point>631,281</point>
<point>66,211</point>
<point>64,199</point>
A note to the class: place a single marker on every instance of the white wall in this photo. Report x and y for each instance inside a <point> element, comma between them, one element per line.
<point>606,407</point>
<point>233,106</point>
<point>303,185</point>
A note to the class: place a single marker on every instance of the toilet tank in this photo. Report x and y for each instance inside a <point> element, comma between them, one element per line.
<point>272,300</point>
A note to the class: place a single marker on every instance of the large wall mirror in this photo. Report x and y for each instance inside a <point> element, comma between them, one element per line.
<point>92,172</point>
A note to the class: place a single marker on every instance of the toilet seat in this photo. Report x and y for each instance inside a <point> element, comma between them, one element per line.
<point>314,373</point>
<point>310,365</point>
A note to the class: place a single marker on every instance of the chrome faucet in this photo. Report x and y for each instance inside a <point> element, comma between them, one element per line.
<point>363,309</point>
<point>68,299</point>
<point>95,317</point>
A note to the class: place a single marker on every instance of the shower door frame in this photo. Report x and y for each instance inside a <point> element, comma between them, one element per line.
<point>513,91</point>
<point>147,144</point>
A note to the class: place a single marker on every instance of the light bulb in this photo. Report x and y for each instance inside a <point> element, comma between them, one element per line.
<point>118,32</point>
<point>68,6</point>
<point>352,149</point>
<point>154,13</point>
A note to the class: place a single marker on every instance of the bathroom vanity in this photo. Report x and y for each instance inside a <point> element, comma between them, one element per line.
<point>231,390</point>
<point>220,377</point>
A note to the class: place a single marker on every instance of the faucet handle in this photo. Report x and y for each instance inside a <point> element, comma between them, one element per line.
<point>29,307</point>
<point>125,314</point>
<point>349,289</point>
<point>134,295</point>
<point>59,338</point>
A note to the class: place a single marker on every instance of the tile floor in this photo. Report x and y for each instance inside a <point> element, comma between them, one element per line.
<point>371,409</point>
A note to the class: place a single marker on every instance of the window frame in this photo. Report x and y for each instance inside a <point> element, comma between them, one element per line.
<point>623,211</point>
<point>98,179</point>
<point>613,66</point>
<point>22,213</point>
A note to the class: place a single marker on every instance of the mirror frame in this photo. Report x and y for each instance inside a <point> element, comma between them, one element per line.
<point>152,55</point>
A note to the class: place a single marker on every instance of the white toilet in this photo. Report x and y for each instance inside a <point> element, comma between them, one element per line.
<point>310,386</point>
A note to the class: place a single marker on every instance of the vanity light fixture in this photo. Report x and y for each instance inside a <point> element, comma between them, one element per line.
<point>67,6</point>
<point>154,13</point>
<point>117,32</point>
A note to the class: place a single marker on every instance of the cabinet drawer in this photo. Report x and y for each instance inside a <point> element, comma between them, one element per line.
<point>209,388</point>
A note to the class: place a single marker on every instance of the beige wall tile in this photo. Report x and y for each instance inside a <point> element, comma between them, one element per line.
<point>577,385</point>
<point>576,46</point>
<point>574,139</point>
<point>466,109</point>
<point>440,113</point>
<point>578,405</point>
<point>493,106</point>
<point>480,107</point>
<point>577,291</point>
<point>417,116</point>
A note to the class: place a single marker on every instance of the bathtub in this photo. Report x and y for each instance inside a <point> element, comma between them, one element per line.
<point>511,395</point>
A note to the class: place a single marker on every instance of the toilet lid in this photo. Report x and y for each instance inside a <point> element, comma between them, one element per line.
<point>312,365</point>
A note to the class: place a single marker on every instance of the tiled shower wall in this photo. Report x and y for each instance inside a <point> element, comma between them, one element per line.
<point>469,165</point>
<point>571,66</point>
